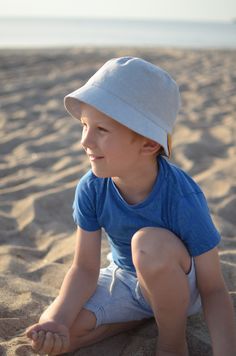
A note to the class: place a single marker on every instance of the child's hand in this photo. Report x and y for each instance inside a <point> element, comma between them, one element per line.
<point>49,338</point>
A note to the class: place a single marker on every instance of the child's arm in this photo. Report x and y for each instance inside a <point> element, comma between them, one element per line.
<point>79,284</point>
<point>217,304</point>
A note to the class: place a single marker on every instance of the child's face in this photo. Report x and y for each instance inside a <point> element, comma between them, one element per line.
<point>113,149</point>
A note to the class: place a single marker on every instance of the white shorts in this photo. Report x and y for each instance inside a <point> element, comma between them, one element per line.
<point>118,297</point>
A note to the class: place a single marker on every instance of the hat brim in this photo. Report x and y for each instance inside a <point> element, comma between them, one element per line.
<point>117,109</point>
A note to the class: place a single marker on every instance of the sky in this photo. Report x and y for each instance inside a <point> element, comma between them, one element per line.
<point>191,10</point>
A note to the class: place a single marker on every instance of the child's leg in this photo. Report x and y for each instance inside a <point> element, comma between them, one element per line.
<point>162,262</point>
<point>83,332</point>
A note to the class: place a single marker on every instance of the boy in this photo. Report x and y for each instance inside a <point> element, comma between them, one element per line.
<point>163,242</point>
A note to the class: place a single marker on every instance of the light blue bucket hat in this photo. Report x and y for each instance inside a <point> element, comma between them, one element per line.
<point>134,92</point>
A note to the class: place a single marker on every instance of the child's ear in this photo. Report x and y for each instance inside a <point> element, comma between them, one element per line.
<point>150,147</point>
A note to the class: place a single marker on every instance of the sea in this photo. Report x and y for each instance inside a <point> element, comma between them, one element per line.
<point>74,32</point>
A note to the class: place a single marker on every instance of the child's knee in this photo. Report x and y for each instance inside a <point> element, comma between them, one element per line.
<point>156,249</point>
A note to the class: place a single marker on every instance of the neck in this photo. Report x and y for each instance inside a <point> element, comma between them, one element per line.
<point>138,185</point>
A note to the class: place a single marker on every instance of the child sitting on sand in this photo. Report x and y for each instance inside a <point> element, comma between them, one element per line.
<point>164,244</point>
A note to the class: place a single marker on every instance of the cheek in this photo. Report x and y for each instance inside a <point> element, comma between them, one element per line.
<point>109,144</point>
<point>120,152</point>
<point>118,146</point>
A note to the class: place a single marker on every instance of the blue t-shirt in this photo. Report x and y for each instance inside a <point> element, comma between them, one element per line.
<point>175,203</point>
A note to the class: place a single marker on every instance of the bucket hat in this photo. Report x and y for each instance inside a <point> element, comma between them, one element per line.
<point>135,93</point>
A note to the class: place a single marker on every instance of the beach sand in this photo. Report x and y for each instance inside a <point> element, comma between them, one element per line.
<point>41,162</point>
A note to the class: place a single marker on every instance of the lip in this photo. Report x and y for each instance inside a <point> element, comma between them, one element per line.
<point>94,157</point>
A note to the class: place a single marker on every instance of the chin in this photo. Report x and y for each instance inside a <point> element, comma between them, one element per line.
<point>100,174</point>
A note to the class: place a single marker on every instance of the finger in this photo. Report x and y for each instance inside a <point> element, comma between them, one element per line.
<point>65,343</point>
<point>32,329</point>
<point>38,343</point>
<point>57,345</point>
<point>34,335</point>
<point>48,344</point>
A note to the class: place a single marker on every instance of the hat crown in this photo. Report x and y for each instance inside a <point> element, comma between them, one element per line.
<point>144,86</point>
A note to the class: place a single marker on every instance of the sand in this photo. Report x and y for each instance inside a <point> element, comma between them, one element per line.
<point>41,161</point>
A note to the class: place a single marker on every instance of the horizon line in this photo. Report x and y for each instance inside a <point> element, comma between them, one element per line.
<point>131,19</point>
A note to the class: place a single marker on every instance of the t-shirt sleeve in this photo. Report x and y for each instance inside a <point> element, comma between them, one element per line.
<point>194,224</point>
<point>84,206</point>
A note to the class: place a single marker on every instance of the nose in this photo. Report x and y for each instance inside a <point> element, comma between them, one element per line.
<point>87,139</point>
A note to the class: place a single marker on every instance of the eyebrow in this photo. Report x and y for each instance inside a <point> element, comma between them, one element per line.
<point>98,123</point>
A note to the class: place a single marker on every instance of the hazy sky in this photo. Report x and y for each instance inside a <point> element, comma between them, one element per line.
<point>157,9</point>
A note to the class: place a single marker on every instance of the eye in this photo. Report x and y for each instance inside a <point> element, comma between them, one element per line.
<point>102,129</point>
